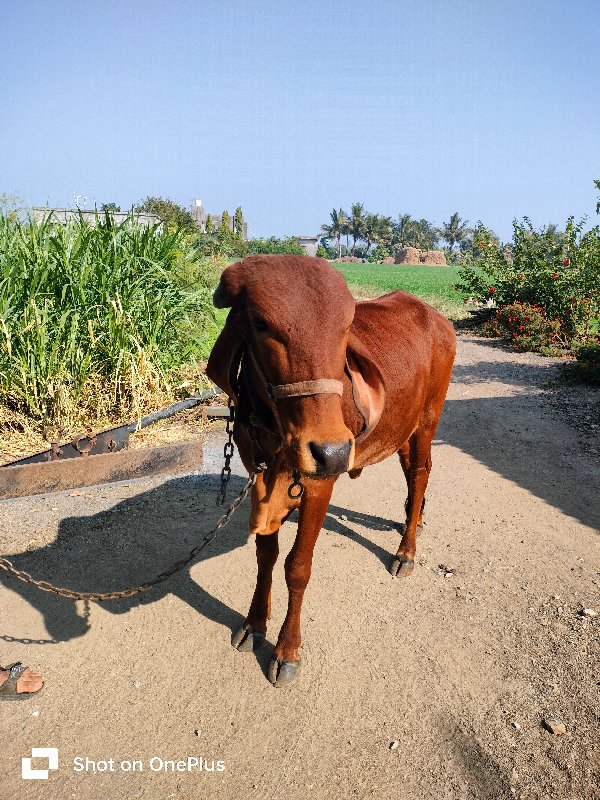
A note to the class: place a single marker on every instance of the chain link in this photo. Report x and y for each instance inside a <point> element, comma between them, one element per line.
<point>227,454</point>
<point>99,597</point>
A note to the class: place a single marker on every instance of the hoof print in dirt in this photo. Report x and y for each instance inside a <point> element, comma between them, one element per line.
<point>247,641</point>
<point>402,567</point>
<point>282,673</point>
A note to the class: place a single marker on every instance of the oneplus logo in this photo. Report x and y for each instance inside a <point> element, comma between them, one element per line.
<point>29,774</point>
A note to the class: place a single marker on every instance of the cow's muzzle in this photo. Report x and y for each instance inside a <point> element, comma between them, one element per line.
<point>331,458</point>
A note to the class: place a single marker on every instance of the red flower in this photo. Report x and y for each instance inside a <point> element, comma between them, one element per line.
<point>491,290</point>
<point>566,262</point>
<point>555,274</point>
<point>522,277</point>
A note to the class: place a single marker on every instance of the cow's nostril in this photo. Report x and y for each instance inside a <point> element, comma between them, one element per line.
<point>331,459</point>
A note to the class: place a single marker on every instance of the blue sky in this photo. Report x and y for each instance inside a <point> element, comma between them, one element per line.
<point>486,107</point>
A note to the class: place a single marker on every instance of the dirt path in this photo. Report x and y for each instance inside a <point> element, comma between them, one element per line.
<point>457,664</point>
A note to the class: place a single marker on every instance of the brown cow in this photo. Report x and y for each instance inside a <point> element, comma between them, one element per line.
<point>322,385</point>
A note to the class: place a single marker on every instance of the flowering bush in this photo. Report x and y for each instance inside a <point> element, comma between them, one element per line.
<point>557,272</point>
<point>528,327</point>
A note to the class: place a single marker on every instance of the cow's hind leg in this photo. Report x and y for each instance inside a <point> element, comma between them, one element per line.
<point>418,461</point>
<point>252,633</point>
<point>286,658</point>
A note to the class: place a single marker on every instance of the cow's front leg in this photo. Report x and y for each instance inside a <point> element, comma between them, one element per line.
<point>252,633</point>
<point>271,506</point>
<point>286,659</point>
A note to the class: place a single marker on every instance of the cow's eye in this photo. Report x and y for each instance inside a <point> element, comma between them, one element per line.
<point>260,325</point>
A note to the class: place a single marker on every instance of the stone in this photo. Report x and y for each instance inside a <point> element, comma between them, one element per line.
<point>394,745</point>
<point>555,727</point>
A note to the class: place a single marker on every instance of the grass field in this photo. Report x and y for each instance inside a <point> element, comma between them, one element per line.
<point>435,285</point>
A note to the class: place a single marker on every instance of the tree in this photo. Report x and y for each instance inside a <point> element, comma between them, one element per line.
<point>455,230</point>
<point>356,223</point>
<point>370,224</point>
<point>173,216</point>
<point>424,235</point>
<point>377,229</point>
<point>324,250</point>
<point>597,185</point>
<point>11,205</point>
<point>238,223</point>
<point>110,208</point>
<point>209,224</point>
<point>229,242</point>
<point>224,226</point>
<point>337,228</point>
<point>403,230</point>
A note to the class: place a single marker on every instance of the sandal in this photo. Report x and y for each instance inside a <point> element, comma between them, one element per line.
<point>8,690</point>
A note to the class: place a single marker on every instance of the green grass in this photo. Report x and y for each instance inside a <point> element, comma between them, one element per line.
<point>435,285</point>
<point>98,321</point>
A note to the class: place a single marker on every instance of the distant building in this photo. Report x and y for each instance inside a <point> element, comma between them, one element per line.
<point>65,215</point>
<point>309,244</point>
<point>199,213</point>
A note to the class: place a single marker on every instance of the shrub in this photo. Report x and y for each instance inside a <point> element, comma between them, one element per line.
<point>586,368</point>
<point>379,252</point>
<point>276,246</point>
<point>556,271</point>
<point>528,327</point>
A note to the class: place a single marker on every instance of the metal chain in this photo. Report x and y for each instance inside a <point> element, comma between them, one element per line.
<point>296,488</point>
<point>99,597</point>
<point>228,454</point>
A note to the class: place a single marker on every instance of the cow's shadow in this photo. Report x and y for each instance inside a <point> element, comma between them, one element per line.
<point>136,540</point>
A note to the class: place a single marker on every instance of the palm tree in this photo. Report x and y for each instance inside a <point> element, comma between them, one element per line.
<point>356,223</point>
<point>346,232</point>
<point>554,234</point>
<point>337,228</point>
<point>404,230</point>
<point>370,228</point>
<point>455,230</point>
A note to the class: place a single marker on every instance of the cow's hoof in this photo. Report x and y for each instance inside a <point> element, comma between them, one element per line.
<point>246,640</point>
<point>282,673</point>
<point>402,567</point>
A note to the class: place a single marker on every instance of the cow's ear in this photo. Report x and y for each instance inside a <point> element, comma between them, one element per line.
<point>368,387</point>
<point>224,359</point>
<point>228,292</point>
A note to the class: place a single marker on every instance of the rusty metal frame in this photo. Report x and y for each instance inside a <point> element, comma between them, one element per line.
<point>103,457</point>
